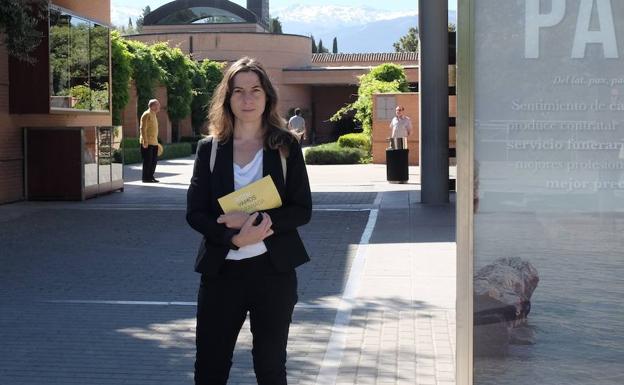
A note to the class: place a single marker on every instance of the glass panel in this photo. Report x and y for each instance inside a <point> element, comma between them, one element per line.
<point>90,155</point>
<point>79,64</point>
<point>201,15</point>
<point>105,154</point>
<point>117,166</point>
<point>59,59</point>
<point>99,67</point>
<point>549,204</point>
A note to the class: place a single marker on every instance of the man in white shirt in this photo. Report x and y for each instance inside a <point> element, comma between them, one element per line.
<point>296,125</point>
<point>401,125</point>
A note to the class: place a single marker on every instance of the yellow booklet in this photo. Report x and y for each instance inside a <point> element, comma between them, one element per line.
<point>257,196</point>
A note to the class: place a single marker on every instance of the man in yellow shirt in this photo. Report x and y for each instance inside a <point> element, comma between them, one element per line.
<point>149,140</point>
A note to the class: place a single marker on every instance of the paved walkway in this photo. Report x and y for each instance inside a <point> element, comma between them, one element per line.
<point>103,292</point>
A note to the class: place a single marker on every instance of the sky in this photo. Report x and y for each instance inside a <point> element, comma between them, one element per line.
<point>122,9</point>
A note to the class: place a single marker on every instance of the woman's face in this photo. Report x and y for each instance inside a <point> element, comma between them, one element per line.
<point>248,98</point>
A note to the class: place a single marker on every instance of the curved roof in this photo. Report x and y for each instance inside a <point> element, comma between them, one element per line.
<point>199,11</point>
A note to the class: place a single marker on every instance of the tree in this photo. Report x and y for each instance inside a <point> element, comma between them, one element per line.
<point>206,77</point>
<point>140,19</point>
<point>121,71</point>
<point>314,47</point>
<point>275,25</point>
<point>130,28</point>
<point>321,49</point>
<point>19,21</point>
<point>335,46</point>
<point>385,78</point>
<point>177,79</point>
<point>407,43</point>
<point>145,71</point>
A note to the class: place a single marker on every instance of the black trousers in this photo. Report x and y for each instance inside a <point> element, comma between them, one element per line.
<point>150,158</point>
<point>251,285</point>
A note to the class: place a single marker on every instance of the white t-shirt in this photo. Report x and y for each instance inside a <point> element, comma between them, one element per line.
<point>400,127</point>
<point>243,176</point>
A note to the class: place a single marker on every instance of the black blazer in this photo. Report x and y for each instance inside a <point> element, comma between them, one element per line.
<point>285,248</point>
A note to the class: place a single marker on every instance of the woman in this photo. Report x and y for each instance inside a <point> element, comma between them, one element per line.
<point>247,266</point>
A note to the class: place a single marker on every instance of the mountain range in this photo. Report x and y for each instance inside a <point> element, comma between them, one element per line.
<point>357,29</point>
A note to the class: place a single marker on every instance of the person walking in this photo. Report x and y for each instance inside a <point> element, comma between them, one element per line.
<point>296,125</point>
<point>149,141</point>
<point>247,261</point>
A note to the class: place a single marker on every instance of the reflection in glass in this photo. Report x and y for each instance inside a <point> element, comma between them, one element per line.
<point>90,156</point>
<point>79,60</point>
<point>117,163</point>
<point>59,59</point>
<point>99,67</point>
<point>79,64</point>
<point>105,154</point>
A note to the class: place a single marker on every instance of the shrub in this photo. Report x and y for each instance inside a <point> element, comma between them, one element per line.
<point>121,72</point>
<point>176,150</point>
<point>385,78</point>
<point>130,143</point>
<point>361,141</point>
<point>171,151</point>
<point>192,140</point>
<point>332,153</point>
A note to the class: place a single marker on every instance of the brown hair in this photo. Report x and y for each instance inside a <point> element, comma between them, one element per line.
<point>221,117</point>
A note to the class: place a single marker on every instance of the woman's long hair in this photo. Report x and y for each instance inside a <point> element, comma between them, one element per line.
<point>221,117</point>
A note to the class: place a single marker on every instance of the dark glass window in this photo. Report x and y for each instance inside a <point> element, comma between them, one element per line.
<point>79,61</point>
<point>199,15</point>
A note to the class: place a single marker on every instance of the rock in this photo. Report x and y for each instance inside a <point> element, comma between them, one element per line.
<point>502,300</point>
<point>522,335</point>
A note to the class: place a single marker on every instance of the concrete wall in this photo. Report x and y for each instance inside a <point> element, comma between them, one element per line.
<point>381,130</point>
<point>11,126</point>
<point>130,121</point>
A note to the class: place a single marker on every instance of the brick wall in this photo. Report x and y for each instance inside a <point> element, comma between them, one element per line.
<point>381,130</point>
<point>11,126</point>
<point>130,121</point>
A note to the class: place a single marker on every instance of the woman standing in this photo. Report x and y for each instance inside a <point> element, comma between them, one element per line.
<point>247,261</point>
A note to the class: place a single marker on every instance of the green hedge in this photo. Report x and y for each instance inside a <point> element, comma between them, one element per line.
<point>172,151</point>
<point>332,153</point>
<point>361,141</point>
<point>192,140</point>
<point>176,150</point>
<point>130,143</point>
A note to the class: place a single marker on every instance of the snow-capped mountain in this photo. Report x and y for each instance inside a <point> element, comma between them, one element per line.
<point>357,29</point>
<point>333,14</point>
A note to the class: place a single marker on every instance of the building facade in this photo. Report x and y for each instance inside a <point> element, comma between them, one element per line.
<point>64,88</point>
<point>319,84</point>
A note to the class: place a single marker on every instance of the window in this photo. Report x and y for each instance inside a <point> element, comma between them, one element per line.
<point>79,61</point>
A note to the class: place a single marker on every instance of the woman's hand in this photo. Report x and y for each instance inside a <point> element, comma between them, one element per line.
<point>234,220</point>
<point>250,234</point>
